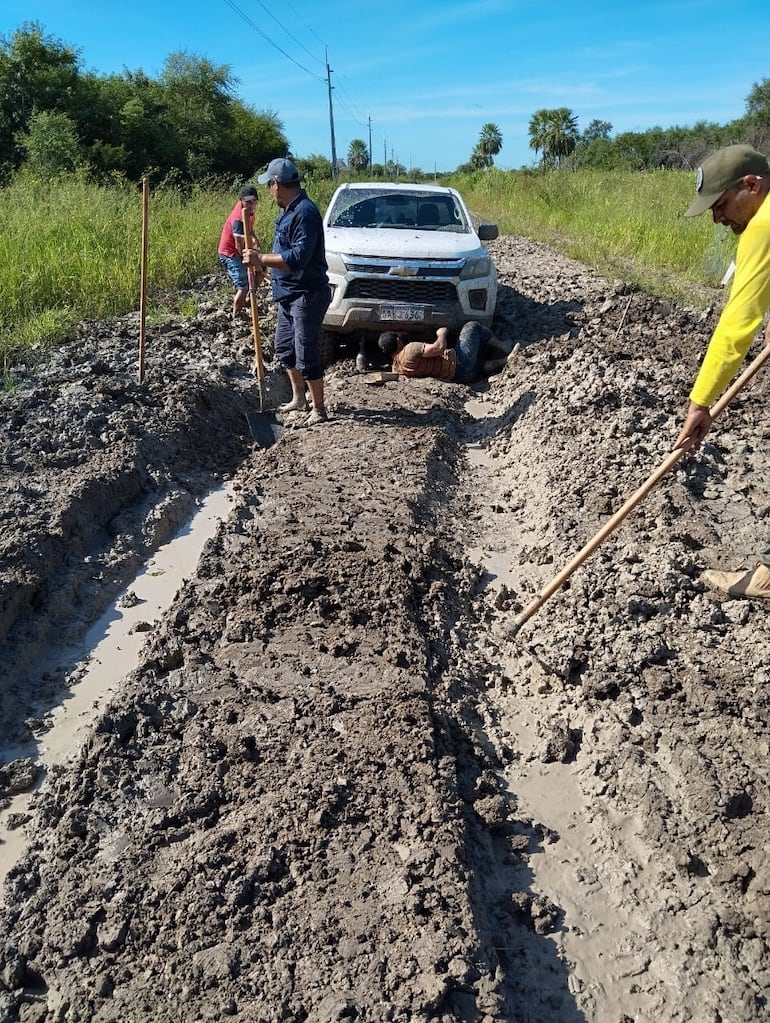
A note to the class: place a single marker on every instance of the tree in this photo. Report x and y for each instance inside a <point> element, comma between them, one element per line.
<point>358,156</point>
<point>489,145</point>
<point>478,160</point>
<point>51,144</point>
<point>252,140</point>
<point>315,167</point>
<point>756,124</point>
<point>563,134</point>
<point>538,130</point>
<point>37,73</point>
<point>758,101</point>
<point>129,126</point>
<point>198,97</point>
<point>554,133</point>
<point>596,130</point>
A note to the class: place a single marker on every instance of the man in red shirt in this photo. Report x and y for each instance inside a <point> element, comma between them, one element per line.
<point>232,242</point>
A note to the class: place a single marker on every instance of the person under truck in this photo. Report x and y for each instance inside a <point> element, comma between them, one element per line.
<point>464,363</point>
<point>733,183</point>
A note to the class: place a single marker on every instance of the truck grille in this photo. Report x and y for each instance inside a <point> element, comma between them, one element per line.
<point>432,270</point>
<point>408,291</point>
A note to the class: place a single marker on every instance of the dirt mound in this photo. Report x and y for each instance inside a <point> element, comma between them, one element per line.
<point>335,787</point>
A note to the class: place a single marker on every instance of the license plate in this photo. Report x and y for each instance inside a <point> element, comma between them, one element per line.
<point>402,312</point>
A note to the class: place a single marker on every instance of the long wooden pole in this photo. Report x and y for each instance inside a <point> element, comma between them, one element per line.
<point>652,480</point>
<point>259,366</point>
<point>143,294</point>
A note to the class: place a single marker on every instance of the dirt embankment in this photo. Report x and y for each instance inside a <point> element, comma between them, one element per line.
<point>334,787</point>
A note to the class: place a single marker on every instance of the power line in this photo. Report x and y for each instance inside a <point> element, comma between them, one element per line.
<point>345,100</point>
<point>355,117</point>
<point>288,33</point>
<point>258,30</point>
<point>312,32</point>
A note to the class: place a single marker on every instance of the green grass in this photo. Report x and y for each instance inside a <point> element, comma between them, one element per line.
<point>71,250</point>
<point>626,224</point>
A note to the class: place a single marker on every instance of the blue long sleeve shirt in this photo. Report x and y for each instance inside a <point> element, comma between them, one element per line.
<point>299,240</point>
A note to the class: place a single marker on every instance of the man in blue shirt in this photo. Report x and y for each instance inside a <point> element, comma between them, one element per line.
<point>300,286</point>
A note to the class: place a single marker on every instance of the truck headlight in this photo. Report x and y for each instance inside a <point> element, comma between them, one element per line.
<point>336,263</point>
<point>477,266</point>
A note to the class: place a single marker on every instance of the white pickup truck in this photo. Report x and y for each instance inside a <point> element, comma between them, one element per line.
<point>403,257</point>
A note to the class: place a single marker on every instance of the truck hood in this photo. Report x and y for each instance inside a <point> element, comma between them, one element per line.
<point>407,244</point>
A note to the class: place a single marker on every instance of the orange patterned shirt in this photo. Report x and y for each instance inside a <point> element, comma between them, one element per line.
<point>410,362</point>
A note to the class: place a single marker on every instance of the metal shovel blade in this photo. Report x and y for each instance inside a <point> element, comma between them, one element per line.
<point>264,428</point>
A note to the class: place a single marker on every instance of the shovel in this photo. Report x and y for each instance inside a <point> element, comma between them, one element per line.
<point>668,463</point>
<point>263,425</point>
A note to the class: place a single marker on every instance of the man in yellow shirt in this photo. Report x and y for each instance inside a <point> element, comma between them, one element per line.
<point>733,183</point>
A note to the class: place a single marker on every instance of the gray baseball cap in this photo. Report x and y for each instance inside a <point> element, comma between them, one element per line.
<point>722,170</point>
<point>281,170</point>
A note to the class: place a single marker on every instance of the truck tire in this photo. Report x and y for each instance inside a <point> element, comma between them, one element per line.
<point>329,347</point>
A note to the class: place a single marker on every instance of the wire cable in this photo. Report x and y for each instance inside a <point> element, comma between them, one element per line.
<point>234,7</point>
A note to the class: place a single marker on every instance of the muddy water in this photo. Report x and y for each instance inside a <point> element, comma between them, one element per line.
<point>593,931</point>
<point>93,670</point>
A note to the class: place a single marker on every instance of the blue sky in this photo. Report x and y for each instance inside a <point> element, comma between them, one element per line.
<point>426,76</point>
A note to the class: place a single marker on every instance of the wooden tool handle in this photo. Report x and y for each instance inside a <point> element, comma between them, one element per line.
<point>668,463</point>
<point>258,363</point>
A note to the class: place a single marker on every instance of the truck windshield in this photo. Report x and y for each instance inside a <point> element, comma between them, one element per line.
<point>378,208</point>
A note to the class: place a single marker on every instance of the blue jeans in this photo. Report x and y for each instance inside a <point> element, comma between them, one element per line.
<point>472,336</point>
<point>298,332</point>
<point>236,271</point>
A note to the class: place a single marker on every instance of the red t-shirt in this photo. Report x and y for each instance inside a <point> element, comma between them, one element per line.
<point>233,229</point>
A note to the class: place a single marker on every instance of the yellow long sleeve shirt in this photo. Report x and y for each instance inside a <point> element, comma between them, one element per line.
<point>742,316</point>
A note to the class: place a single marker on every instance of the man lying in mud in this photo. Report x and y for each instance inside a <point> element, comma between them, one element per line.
<point>478,353</point>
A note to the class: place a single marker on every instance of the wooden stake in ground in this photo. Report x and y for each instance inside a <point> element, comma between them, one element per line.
<point>143,293</point>
<point>668,463</point>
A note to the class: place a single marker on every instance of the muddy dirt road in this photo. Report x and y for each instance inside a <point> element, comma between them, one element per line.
<point>332,786</point>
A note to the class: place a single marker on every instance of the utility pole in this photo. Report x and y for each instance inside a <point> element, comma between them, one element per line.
<point>385,154</point>
<point>369,121</point>
<point>331,115</point>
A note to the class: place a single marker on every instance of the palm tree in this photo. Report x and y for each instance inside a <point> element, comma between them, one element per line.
<point>555,134</point>
<point>478,160</point>
<point>489,145</point>
<point>358,155</point>
<point>538,126</point>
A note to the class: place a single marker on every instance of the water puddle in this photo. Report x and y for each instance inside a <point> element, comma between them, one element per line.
<point>108,652</point>
<point>492,558</point>
<point>578,873</point>
<point>592,880</point>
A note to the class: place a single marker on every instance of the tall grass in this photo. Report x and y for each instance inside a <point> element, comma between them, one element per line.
<point>71,249</point>
<point>623,223</point>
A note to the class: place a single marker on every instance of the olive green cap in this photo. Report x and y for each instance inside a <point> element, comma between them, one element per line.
<point>723,170</point>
